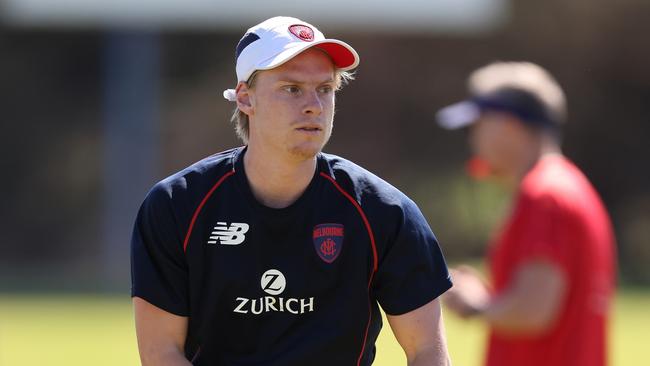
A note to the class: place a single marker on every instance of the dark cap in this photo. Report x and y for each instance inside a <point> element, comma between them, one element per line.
<point>524,105</point>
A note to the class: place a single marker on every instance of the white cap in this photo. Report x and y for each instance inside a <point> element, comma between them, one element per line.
<point>279,39</point>
<point>458,115</point>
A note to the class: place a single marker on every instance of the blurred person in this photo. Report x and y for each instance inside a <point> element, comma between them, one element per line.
<point>275,253</point>
<point>552,263</point>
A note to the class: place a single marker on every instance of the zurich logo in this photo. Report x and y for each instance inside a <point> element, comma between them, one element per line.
<point>273,282</point>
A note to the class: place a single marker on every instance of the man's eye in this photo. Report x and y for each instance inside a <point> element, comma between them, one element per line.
<point>326,89</point>
<point>292,89</point>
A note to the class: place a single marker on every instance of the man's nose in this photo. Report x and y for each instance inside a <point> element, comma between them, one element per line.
<point>313,104</point>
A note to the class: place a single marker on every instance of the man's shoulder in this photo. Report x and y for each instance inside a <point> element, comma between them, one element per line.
<point>556,180</point>
<point>361,183</point>
<point>196,178</point>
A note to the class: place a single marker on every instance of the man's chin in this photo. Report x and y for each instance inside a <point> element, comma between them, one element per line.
<point>306,151</point>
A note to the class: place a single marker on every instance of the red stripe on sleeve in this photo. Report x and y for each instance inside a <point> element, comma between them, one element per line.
<point>200,207</point>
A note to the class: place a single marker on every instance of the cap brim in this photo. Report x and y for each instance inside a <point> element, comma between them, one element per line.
<point>342,54</point>
<point>458,115</point>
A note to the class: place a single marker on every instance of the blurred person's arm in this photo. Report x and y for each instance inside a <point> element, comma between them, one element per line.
<point>161,335</point>
<point>530,305</point>
<point>533,301</point>
<point>421,334</point>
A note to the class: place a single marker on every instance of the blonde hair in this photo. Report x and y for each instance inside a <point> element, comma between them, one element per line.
<point>240,119</point>
<point>524,76</point>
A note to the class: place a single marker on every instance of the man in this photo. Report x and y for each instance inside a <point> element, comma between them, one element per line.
<point>276,253</point>
<point>552,263</point>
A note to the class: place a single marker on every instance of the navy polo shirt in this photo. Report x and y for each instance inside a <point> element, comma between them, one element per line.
<point>293,286</point>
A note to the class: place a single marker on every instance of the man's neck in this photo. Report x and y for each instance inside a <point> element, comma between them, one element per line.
<point>277,182</point>
<point>545,147</point>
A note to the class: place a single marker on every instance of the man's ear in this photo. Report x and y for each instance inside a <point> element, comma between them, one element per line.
<point>244,102</point>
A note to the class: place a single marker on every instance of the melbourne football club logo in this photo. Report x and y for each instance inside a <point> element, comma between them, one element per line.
<point>328,241</point>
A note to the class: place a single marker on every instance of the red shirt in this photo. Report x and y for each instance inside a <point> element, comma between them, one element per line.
<point>558,217</point>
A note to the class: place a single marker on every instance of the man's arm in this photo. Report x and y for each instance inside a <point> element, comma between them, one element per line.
<point>421,334</point>
<point>530,305</point>
<point>161,335</point>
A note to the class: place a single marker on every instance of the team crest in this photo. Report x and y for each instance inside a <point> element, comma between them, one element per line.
<point>303,32</point>
<point>328,241</point>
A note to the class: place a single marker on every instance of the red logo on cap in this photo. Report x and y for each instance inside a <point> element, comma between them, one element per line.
<point>302,31</point>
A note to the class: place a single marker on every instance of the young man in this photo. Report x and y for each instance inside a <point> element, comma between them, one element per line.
<point>276,253</point>
<point>552,264</point>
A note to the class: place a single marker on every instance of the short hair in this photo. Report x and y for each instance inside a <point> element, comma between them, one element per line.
<point>240,119</point>
<point>524,76</point>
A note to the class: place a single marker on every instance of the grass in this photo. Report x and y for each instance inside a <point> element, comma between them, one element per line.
<point>95,330</point>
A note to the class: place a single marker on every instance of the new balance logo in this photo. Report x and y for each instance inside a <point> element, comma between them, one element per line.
<point>228,235</point>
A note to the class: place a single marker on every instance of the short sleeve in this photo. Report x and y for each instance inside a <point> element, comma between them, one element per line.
<point>159,273</point>
<point>542,231</point>
<point>412,271</point>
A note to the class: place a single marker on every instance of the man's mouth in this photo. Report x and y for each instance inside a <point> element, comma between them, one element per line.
<point>313,128</point>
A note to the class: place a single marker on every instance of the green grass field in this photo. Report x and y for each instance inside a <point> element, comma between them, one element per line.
<point>96,330</point>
